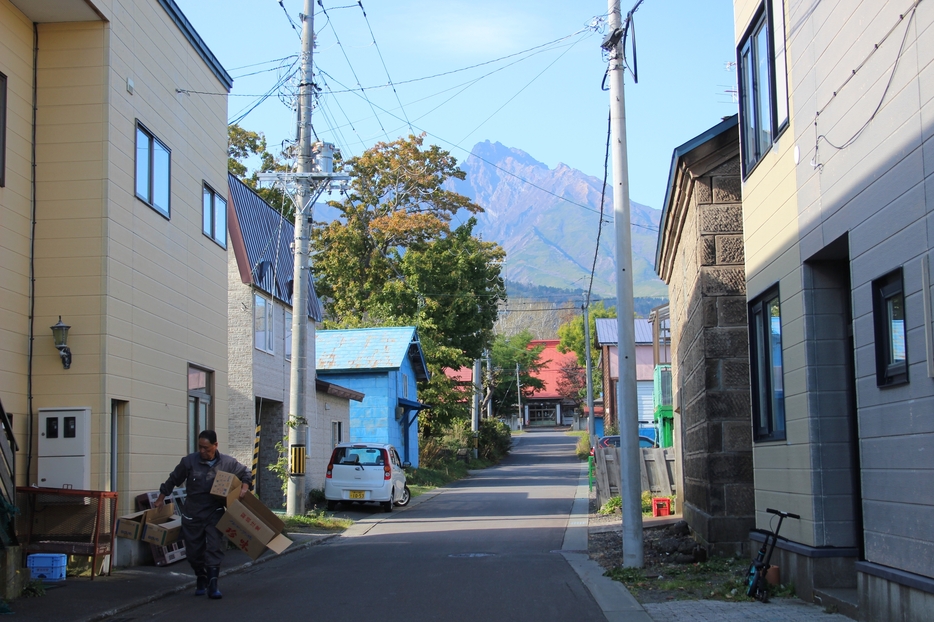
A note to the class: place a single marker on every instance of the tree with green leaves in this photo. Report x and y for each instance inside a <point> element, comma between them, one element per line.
<point>507,354</point>
<point>571,335</point>
<point>241,145</point>
<point>392,259</point>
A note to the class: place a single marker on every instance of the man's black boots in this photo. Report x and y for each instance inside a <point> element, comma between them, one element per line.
<point>213,573</point>
<point>202,585</point>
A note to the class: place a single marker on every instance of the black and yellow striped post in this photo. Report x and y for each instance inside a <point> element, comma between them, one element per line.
<point>256,453</point>
<point>297,460</point>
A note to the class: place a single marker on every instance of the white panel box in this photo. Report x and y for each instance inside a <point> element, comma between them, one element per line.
<point>65,448</point>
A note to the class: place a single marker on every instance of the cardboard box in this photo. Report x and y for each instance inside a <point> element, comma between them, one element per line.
<point>248,523</point>
<point>132,525</point>
<point>164,531</point>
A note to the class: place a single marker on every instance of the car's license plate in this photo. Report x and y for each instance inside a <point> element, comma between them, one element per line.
<point>356,494</point>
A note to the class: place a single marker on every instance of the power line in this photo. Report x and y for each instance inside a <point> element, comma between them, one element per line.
<point>386,69</point>
<point>353,72</point>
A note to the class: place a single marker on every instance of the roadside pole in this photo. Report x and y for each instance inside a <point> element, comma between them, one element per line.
<point>313,175</point>
<point>627,403</point>
<point>591,430</point>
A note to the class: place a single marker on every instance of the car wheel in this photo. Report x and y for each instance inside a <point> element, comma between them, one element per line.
<point>406,496</point>
<point>332,505</point>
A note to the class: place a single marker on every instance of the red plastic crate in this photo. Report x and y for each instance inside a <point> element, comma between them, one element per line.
<point>661,506</point>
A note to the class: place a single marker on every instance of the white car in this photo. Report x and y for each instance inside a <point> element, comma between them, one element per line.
<point>365,472</point>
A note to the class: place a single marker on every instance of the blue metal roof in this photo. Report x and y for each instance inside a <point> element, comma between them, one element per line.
<point>262,241</point>
<point>608,334</point>
<point>368,349</point>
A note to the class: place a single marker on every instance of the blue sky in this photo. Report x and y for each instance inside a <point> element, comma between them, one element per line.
<point>545,99</point>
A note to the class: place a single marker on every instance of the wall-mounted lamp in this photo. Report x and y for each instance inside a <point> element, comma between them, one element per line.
<point>60,335</point>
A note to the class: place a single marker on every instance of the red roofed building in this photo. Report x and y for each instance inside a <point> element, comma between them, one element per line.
<point>546,407</point>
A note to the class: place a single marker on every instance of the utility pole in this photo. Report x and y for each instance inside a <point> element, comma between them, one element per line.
<point>313,175</point>
<point>590,419</point>
<point>477,390</point>
<point>489,371</point>
<point>519,395</point>
<point>627,402</point>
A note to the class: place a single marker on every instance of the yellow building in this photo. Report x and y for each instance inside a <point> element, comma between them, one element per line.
<point>110,176</point>
<point>835,127</point>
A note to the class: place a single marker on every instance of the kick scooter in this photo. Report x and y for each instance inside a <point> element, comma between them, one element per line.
<point>756,586</point>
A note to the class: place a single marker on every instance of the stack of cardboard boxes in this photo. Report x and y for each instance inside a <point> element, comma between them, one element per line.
<point>249,524</point>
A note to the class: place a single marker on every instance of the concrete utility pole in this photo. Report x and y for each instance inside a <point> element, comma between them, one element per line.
<point>627,403</point>
<point>519,395</point>
<point>590,419</point>
<point>313,175</point>
<point>477,391</point>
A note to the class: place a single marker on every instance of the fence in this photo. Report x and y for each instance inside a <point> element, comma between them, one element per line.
<point>73,522</point>
<point>657,466</point>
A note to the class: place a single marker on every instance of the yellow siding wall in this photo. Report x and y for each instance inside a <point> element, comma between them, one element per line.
<point>145,295</point>
<point>771,233</point>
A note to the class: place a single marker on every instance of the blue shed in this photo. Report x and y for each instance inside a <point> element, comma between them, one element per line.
<point>384,364</point>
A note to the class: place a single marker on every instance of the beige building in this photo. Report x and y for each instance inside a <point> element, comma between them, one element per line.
<point>260,306</point>
<point>110,182</point>
<point>835,127</point>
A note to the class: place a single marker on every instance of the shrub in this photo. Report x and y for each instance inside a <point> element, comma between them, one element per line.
<point>495,440</point>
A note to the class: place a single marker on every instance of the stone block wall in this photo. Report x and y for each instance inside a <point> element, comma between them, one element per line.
<point>710,363</point>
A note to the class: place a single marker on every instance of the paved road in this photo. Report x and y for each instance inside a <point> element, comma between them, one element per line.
<point>486,548</point>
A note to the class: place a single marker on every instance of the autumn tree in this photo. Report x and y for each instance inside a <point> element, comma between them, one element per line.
<point>243,144</point>
<point>391,259</point>
<point>571,335</point>
<point>572,382</point>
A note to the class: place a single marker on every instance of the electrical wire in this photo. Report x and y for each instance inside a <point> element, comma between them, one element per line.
<point>291,21</point>
<point>606,167</point>
<point>353,72</point>
<point>386,69</point>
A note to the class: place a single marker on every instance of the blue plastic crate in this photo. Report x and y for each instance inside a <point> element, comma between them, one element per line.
<point>47,566</point>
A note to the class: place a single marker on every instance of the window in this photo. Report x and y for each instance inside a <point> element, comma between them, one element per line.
<point>152,171</point>
<point>405,386</point>
<point>763,83</point>
<point>288,335</point>
<point>765,351</point>
<point>214,218</point>
<point>337,431</point>
<point>2,130</point>
<point>262,323</point>
<point>888,315</point>
<point>200,404</point>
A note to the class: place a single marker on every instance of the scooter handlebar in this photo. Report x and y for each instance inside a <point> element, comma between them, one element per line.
<point>784,514</point>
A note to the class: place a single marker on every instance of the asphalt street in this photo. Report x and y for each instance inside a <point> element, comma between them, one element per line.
<point>486,548</point>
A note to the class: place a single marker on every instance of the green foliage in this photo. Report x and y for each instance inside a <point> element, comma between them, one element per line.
<point>281,466</point>
<point>243,144</point>
<point>572,333</point>
<point>34,588</point>
<point>506,353</point>
<point>612,505</point>
<point>315,520</point>
<point>495,440</point>
<point>583,444</point>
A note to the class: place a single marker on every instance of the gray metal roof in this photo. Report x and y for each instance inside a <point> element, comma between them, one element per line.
<point>608,335</point>
<point>265,237</point>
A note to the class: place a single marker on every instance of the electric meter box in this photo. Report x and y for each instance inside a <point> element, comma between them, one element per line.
<point>65,448</point>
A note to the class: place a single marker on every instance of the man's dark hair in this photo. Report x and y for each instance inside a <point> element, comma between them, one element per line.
<point>210,435</point>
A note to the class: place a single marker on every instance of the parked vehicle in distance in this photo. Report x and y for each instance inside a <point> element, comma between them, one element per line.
<point>365,472</point>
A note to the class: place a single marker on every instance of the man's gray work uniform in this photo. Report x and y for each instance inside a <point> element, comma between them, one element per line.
<point>204,544</point>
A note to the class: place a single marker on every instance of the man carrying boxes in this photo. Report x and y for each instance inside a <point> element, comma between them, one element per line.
<point>204,544</point>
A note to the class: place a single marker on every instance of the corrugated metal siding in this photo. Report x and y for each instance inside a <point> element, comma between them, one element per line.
<point>268,237</point>
<point>607,332</point>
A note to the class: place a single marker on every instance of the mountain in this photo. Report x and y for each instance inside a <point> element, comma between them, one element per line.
<point>548,219</point>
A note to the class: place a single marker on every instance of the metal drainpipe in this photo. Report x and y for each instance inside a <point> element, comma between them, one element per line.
<point>32,255</point>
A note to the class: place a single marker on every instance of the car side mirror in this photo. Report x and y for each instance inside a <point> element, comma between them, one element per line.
<point>406,465</point>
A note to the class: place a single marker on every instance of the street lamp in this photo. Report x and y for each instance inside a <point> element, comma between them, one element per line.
<point>60,335</point>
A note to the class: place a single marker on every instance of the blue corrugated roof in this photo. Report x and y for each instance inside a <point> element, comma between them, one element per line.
<point>369,349</point>
<point>266,237</point>
<point>607,333</point>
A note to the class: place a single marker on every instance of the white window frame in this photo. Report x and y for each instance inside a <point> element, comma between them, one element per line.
<point>214,215</point>
<point>263,325</point>
<point>288,335</point>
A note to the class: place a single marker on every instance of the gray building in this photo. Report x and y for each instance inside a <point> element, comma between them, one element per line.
<point>835,128</point>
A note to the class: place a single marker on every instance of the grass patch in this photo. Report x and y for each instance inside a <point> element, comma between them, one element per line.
<point>33,589</point>
<point>423,479</point>
<point>315,521</point>
<point>583,444</point>
<point>719,578</point>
